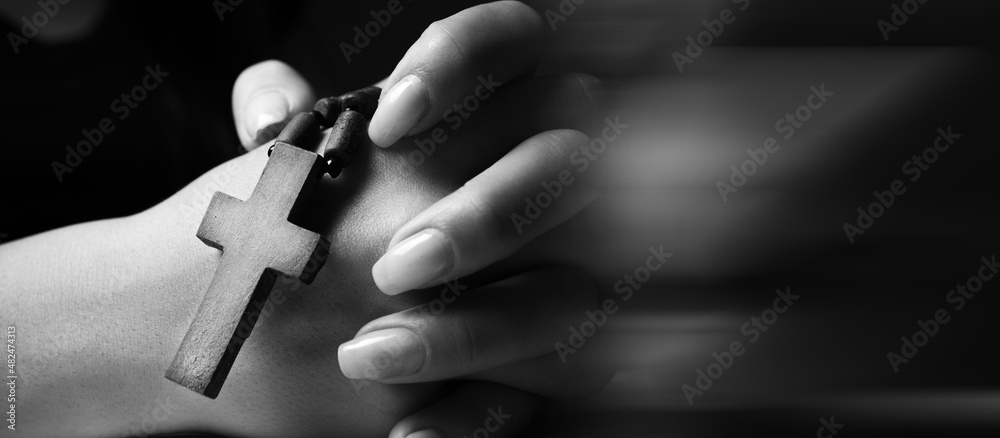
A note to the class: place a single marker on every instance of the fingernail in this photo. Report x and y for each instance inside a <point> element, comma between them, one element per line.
<point>413,262</point>
<point>264,115</point>
<point>426,433</point>
<point>403,106</point>
<point>393,352</point>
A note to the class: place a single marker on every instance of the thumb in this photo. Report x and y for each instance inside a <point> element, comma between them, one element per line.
<point>265,96</point>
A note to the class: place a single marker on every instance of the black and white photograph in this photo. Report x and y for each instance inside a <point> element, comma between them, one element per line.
<point>497,219</point>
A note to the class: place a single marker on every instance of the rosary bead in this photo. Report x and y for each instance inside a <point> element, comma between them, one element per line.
<point>328,108</point>
<point>349,133</point>
<point>300,131</point>
<point>364,101</point>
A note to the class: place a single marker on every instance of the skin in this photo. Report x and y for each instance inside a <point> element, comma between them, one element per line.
<point>154,272</point>
<point>120,340</point>
<point>100,308</point>
<point>478,339</point>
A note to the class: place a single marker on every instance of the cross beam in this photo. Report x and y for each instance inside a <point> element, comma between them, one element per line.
<point>258,243</point>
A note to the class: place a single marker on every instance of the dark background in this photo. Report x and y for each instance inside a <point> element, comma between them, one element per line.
<point>51,92</point>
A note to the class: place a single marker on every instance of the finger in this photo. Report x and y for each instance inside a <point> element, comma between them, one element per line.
<point>474,409</point>
<point>570,101</point>
<point>528,192</point>
<point>468,332</point>
<point>463,56</point>
<point>265,96</point>
<point>572,371</point>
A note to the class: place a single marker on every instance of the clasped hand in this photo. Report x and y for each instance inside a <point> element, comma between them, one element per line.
<point>476,66</point>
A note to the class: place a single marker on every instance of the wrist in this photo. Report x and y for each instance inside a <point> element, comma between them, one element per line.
<point>175,270</point>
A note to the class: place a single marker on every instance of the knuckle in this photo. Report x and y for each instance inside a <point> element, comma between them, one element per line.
<point>438,43</point>
<point>554,148</point>
<point>490,228</point>
<point>562,142</point>
<point>439,36</point>
<point>521,12</point>
<point>464,342</point>
<point>419,319</point>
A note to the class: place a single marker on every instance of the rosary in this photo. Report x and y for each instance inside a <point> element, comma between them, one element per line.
<point>258,240</point>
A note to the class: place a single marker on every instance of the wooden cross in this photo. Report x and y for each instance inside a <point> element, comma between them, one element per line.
<point>258,243</point>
